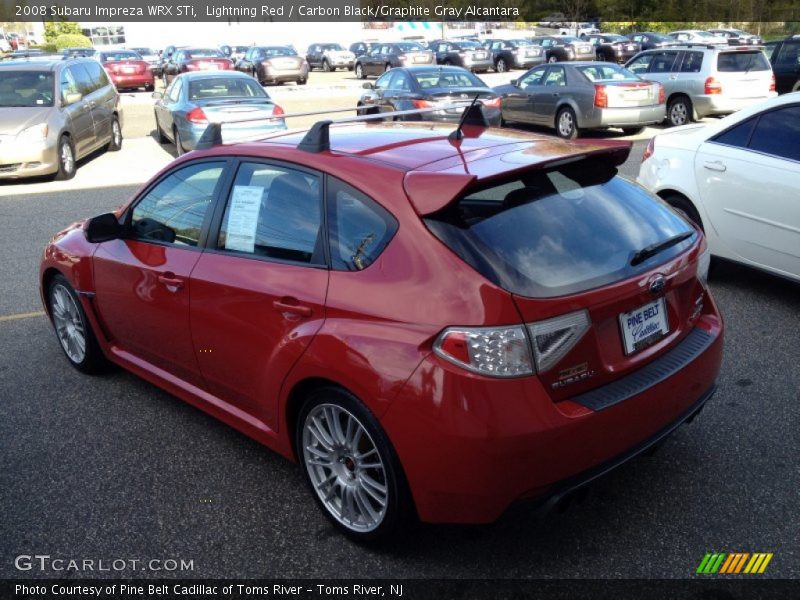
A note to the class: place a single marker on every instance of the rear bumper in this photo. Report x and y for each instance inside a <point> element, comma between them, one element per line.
<point>145,79</point>
<point>278,75</point>
<point>472,446</point>
<point>626,117</point>
<point>478,65</point>
<point>529,61</point>
<point>191,134</point>
<point>720,104</point>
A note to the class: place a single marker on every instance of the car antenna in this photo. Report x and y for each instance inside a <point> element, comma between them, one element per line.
<point>473,115</point>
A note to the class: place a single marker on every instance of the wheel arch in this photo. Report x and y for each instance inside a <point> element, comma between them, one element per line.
<point>666,193</point>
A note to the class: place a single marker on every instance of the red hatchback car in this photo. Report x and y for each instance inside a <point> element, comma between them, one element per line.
<point>127,69</point>
<point>432,326</point>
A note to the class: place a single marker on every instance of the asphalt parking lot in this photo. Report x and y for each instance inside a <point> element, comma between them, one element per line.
<point>111,467</point>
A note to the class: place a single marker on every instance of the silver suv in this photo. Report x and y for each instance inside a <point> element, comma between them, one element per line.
<point>53,112</point>
<point>702,80</point>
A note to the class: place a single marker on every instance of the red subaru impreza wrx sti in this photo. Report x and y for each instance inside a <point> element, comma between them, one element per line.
<point>432,325</point>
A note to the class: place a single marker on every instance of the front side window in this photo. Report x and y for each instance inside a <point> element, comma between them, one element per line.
<point>532,78</point>
<point>174,210</point>
<point>640,64</point>
<point>174,91</point>
<point>383,81</point>
<point>556,77</point>
<point>274,212</point>
<point>692,62</point>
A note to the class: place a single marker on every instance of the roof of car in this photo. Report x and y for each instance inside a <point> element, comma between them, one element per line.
<point>36,63</point>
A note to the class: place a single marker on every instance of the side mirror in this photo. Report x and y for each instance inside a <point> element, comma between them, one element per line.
<point>72,98</point>
<point>515,82</point>
<point>103,228</point>
<point>367,85</point>
<point>157,95</point>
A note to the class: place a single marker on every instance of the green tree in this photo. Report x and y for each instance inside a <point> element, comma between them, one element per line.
<point>54,29</point>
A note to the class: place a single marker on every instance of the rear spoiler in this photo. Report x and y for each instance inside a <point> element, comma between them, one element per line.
<point>431,191</point>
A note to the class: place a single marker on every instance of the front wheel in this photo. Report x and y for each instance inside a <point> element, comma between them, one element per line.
<point>72,327</point>
<point>566,124</point>
<point>176,135</point>
<point>501,66</point>
<point>326,66</point>
<point>350,466</point>
<point>66,159</point>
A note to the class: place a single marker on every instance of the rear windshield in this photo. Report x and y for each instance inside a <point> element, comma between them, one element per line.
<point>279,51</point>
<point>26,88</point>
<point>203,53</point>
<point>440,78</point>
<point>551,233</point>
<point>119,55</point>
<point>409,46</point>
<point>754,60</point>
<point>225,87</point>
<point>607,72</point>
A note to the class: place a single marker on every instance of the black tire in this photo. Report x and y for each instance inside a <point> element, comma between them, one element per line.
<point>176,136</point>
<point>684,206</point>
<point>160,137</point>
<point>93,360</point>
<point>116,136</point>
<point>360,71</point>
<point>67,162</point>
<point>501,66</point>
<point>796,87</point>
<point>150,88</point>
<point>326,66</point>
<point>632,130</point>
<point>566,123</point>
<point>398,504</point>
<point>679,111</point>
<point>302,81</point>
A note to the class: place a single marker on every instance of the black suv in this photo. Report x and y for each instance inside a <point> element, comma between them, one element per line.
<point>785,59</point>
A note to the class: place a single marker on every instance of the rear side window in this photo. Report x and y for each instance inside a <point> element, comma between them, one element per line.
<point>692,62</point>
<point>359,228</point>
<point>737,136</point>
<point>735,62</point>
<point>778,133</point>
<point>98,74</point>
<point>559,232</point>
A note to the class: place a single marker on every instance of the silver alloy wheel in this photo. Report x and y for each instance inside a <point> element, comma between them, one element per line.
<point>116,133</point>
<point>68,323</point>
<point>679,113</point>
<point>359,71</point>
<point>501,66</point>
<point>565,123</point>
<point>67,157</point>
<point>345,467</point>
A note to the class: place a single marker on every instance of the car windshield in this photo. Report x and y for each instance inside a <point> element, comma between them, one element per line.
<point>120,55</point>
<point>569,39</point>
<point>332,47</point>
<point>26,88</point>
<point>440,78</point>
<point>728,62</point>
<point>144,51</point>
<point>557,232</point>
<point>409,46</point>
<point>616,38</point>
<point>469,44</point>
<point>212,88</point>
<point>607,72</point>
<point>203,53</point>
<point>279,51</point>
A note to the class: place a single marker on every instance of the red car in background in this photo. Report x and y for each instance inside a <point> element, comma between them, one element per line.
<point>185,60</point>
<point>432,325</point>
<point>127,69</point>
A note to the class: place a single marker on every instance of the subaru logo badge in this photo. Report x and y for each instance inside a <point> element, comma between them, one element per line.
<point>657,284</point>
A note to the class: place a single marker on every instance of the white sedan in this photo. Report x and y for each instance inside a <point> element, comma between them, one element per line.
<point>739,179</point>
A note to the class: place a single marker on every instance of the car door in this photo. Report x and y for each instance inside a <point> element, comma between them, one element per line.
<point>546,97</point>
<point>142,280</point>
<point>164,108</point>
<point>79,113</point>
<point>258,292</point>
<point>396,94</point>
<point>104,101</point>
<point>786,66</point>
<point>518,105</point>
<point>661,69</point>
<point>758,222</point>
<point>374,97</point>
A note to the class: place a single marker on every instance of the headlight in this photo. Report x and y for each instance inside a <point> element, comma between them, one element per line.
<point>703,264</point>
<point>36,133</point>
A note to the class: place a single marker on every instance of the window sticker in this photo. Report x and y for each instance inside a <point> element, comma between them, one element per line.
<point>243,218</point>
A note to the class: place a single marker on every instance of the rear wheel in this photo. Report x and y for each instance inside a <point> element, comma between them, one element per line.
<point>632,130</point>
<point>66,159</point>
<point>176,135</point>
<point>359,71</point>
<point>501,66</point>
<point>162,139</point>
<point>679,111</point>
<point>72,327</point>
<point>566,123</point>
<point>350,466</point>
<point>302,81</point>
<point>684,206</point>
<point>116,136</point>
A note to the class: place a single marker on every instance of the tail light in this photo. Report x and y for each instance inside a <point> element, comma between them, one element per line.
<point>600,96</point>
<point>402,57</point>
<point>650,149</point>
<point>423,104</point>
<point>553,338</point>
<point>712,86</point>
<point>493,351</point>
<point>191,67</point>
<point>196,115</point>
<point>662,94</point>
<point>772,87</point>
<point>703,264</point>
<point>492,103</point>
<point>277,111</point>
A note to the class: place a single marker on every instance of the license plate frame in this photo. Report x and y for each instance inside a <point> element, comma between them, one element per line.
<point>641,327</point>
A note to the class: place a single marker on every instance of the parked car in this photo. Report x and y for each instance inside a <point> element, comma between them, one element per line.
<point>738,179</point>
<point>568,326</point>
<point>561,48</point>
<point>650,40</point>
<point>574,96</point>
<point>578,29</point>
<point>5,45</point>
<point>274,64</point>
<point>785,58</point>
<point>127,69</point>
<point>385,56</point>
<point>360,48</point>
<point>184,110</point>
<point>235,53</point>
<point>426,87</point>
<point>35,53</point>
<point>612,47</point>
<point>151,57</point>
<point>702,81</point>
<point>329,57</point>
<point>697,36</point>
<point>553,20</point>
<point>514,54</point>
<point>737,37</point>
<point>78,52</point>
<point>54,112</point>
<point>166,55</point>
<point>186,60</point>
<point>468,54</point>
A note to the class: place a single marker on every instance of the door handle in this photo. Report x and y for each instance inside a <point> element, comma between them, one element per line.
<point>715,166</point>
<point>169,280</point>
<point>292,306</point>
<point>673,77</point>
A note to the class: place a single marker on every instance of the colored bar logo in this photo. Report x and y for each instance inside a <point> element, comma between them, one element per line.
<point>734,563</point>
